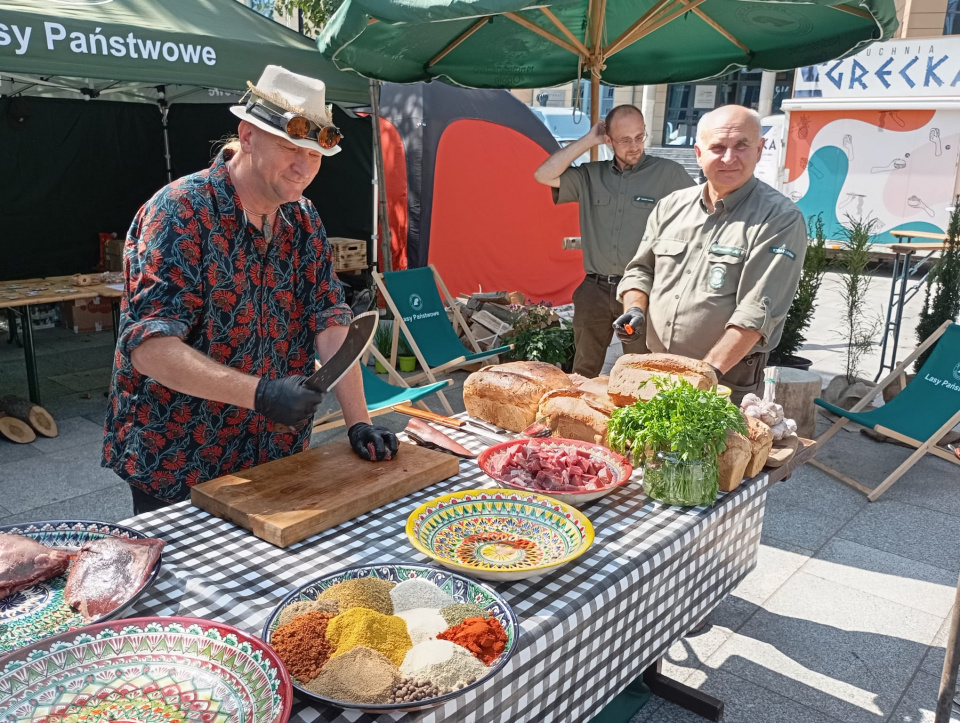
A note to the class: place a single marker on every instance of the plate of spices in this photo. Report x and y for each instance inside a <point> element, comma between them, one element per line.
<point>391,638</point>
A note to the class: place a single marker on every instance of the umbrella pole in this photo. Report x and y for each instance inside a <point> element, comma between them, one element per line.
<point>381,219</point>
<point>948,678</point>
<point>594,107</point>
<point>164,108</point>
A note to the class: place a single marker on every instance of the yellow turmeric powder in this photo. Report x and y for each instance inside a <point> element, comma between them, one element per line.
<point>387,634</point>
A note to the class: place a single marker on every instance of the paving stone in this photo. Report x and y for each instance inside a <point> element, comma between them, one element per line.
<point>901,580</point>
<point>13,452</point>
<point>811,489</point>
<point>845,653</point>
<point>109,504</point>
<point>743,701</point>
<point>53,478</point>
<point>799,526</point>
<point>927,536</point>
<point>919,703</point>
<point>73,432</point>
<point>933,660</point>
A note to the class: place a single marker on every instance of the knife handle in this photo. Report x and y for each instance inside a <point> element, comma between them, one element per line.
<point>428,416</point>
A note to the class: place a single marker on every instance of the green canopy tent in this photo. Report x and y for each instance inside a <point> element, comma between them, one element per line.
<point>513,44</point>
<point>184,54</point>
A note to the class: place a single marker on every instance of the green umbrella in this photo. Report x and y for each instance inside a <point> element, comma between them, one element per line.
<point>513,44</point>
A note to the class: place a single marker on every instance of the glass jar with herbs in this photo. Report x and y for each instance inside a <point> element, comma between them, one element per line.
<point>676,438</point>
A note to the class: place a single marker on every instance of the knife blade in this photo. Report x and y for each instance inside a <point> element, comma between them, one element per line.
<point>359,335</point>
<point>464,425</point>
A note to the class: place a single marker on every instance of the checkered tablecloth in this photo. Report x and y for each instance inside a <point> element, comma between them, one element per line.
<point>588,629</point>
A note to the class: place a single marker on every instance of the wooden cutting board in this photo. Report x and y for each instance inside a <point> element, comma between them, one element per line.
<point>290,499</point>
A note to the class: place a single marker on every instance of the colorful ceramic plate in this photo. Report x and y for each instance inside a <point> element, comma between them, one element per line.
<point>148,670</point>
<point>499,534</point>
<point>461,589</point>
<point>41,611</point>
<point>620,468</point>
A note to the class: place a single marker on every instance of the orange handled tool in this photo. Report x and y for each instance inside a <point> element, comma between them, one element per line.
<point>429,416</point>
<point>627,328</point>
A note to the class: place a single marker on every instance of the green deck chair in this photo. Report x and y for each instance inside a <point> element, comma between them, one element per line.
<point>926,409</point>
<point>413,296</point>
<point>381,396</point>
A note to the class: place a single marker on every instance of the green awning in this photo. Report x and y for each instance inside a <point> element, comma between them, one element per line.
<point>108,46</point>
<point>515,44</point>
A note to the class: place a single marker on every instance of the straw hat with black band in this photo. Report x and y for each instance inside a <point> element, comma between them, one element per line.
<point>292,107</point>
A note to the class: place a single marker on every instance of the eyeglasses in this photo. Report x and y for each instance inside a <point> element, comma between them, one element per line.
<point>296,125</point>
<point>627,142</point>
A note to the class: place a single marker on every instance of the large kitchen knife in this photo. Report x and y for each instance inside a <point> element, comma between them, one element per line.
<point>359,335</point>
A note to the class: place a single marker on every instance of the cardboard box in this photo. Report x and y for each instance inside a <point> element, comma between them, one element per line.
<point>113,255</point>
<point>85,315</point>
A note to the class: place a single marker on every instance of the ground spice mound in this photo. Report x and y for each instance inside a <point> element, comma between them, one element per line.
<point>458,612</point>
<point>364,592</point>
<point>416,593</point>
<point>445,664</point>
<point>408,690</point>
<point>361,627</point>
<point>361,675</point>
<point>302,644</point>
<point>484,637</point>
<point>302,607</point>
<point>423,623</point>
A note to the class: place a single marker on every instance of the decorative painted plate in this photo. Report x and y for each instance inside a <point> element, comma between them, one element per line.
<point>147,670</point>
<point>461,589</point>
<point>499,534</point>
<point>620,468</point>
<point>41,610</point>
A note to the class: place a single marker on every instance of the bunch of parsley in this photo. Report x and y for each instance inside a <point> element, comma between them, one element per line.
<point>681,421</point>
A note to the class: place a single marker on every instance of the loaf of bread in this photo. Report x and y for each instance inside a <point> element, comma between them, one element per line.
<point>597,386</point>
<point>576,414</point>
<point>761,442</point>
<point>732,463</point>
<point>508,395</point>
<point>631,375</point>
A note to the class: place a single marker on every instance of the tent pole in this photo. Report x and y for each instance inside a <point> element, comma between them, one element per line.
<point>381,219</point>
<point>594,107</point>
<point>164,108</point>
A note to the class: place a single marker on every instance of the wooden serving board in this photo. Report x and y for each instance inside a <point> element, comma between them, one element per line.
<point>783,451</point>
<point>290,499</point>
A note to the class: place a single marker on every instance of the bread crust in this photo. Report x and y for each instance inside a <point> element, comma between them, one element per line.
<point>575,414</point>
<point>732,463</point>
<point>630,378</point>
<point>761,442</point>
<point>508,395</point>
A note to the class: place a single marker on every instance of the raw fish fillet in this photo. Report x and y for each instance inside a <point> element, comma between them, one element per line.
<point>25,562</point>
<point>107,572</point>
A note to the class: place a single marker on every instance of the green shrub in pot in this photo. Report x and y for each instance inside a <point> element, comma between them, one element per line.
<point>406,359</point>
<point>676,438</point>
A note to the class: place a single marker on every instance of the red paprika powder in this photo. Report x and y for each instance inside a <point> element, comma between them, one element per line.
<point>484,637</point>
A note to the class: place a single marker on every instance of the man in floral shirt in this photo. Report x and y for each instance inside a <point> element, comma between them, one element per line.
<point>229,289</point>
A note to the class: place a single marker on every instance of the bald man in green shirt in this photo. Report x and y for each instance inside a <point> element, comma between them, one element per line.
<point>719,265</point>
<point>615,198</point>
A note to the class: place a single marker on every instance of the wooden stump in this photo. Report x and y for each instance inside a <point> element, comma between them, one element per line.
<point>33,414</point>
<point>795,392</point>
<point>15,430</point>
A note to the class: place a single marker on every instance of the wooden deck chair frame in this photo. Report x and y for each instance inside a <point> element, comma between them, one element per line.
<point>922,447</point>
<point>399,324</point>
<point>334,418</point>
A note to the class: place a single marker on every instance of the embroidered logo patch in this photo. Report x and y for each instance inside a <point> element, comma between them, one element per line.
<point>956,372</point>
<point>734,251</point>
<point>783,251</point>
<point>645,198</point>
<point>718,275</point>
<point>416,303</point>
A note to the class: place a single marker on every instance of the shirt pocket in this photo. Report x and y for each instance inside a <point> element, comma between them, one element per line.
<point>668,256</point>
<point>723,272</point>
<point>601,199</point>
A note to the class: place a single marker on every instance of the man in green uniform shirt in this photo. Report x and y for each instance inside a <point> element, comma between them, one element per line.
<point>719,265</point>
<point>615,198</point>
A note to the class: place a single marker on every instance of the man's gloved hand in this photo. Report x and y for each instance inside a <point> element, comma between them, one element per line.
<point>629,325</point>
<point>286,400</point>
<point>716,371</point>
<point>372,442</point>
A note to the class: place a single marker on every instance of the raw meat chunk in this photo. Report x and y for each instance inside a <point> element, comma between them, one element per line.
<point>25,562</point>
<point>107,572</point>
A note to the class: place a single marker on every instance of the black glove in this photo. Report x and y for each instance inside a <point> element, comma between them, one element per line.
<point>372,442</point>
<point>716,371</point>
<point>286,400</point>
<point>632,318</point>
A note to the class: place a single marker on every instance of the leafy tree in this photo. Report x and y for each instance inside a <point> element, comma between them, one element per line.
<point>945,303</point>
<point>316,13</point>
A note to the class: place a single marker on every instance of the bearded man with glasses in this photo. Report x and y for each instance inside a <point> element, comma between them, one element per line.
<point>229,289</point>
<point>615,198</point>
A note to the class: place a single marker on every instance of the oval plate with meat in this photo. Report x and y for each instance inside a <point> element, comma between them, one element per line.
<point>41,609</point>
<point>568,470</point>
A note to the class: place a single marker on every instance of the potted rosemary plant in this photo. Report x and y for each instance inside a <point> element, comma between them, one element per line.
<point>676,437</point>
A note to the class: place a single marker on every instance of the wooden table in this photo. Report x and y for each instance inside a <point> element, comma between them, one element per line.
<point>19,296</point>
<point>903,269</point>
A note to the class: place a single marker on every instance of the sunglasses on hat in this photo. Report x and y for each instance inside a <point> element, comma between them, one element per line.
<point>296,125</point>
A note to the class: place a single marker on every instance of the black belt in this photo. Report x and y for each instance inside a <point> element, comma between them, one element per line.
<point>600,279</point>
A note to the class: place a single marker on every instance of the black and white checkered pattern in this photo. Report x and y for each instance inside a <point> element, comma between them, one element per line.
<point>588,629</point>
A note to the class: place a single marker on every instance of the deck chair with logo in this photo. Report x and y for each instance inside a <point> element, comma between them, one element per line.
<point>413,296</point>
<point>926,409</point>
<point>381,396</point>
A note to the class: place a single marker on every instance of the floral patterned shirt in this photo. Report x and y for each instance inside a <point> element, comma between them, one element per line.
<point>195,268</point>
